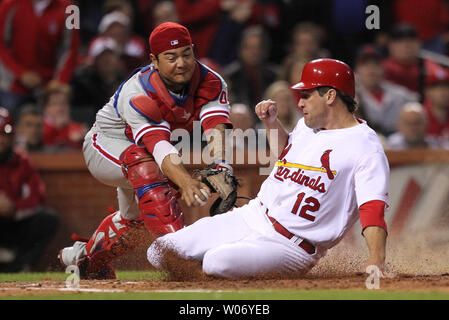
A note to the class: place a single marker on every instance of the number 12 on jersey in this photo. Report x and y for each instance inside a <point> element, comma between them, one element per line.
<point>311,204</point>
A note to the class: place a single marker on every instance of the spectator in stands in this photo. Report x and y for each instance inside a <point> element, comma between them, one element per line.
<point>60,132</point>
<point>234,17</point>
<point>412,129</point>
<point>288,114</point>
<point>404,66</point>
<point>380,101</point>
<point>151,13</point>
<point>129,9</point>
<point>123,6</point>
<point>202,18</point>
<point>307,39</point>
<point>216,26</point>
<point>29,129</point>
<point>242,118</point>
<point>25,226</point>
<point>95,82</point>
<point>144,10</point>
<point>249,77</point>
<point>291,70</point>
<point>35,48</point>
<point>117,25</point>
<point>431,19</point>
<point>436,103</point>
<point>164,11</point>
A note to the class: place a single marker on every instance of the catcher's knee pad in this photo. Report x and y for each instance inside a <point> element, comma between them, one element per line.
<point>157,204</point>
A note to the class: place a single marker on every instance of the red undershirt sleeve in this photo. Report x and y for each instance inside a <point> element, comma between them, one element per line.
<point>150,139</point>
<point>372,214</point>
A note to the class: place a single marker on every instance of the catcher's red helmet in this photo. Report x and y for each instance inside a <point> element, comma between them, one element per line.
<point>327,72</point>
<point>6,125</point>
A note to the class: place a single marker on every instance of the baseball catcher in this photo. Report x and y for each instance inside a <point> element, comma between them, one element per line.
<point>129,148</point>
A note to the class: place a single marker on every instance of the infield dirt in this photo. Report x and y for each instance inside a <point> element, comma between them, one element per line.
<point>419,263</point>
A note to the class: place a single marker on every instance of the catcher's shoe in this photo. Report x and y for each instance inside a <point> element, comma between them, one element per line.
<point>76,255</point>
<point>114,237</point>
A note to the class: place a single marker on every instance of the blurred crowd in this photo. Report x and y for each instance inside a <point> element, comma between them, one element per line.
<point>54,78</point>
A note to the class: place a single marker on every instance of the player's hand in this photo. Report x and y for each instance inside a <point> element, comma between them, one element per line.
<point>370,266</point>
<point>192,194</point>
<point>31,79</point>
<point>267,111</point>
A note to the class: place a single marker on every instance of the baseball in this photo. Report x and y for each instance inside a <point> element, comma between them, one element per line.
<point>201,202</point>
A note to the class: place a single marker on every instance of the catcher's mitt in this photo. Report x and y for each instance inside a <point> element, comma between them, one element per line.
<point>223,183</point>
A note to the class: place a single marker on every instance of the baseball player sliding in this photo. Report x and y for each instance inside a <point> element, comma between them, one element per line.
<point>129,147</point>
<point>331,171</point>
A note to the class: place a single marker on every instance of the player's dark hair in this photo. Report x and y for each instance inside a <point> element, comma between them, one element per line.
<point>350,103</point>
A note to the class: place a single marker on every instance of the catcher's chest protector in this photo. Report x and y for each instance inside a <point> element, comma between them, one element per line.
<point>158,206</point>
<point>180,112</point>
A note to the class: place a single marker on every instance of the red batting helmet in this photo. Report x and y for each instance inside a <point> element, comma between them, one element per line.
<point>6,125</point>
<point>327,72</point>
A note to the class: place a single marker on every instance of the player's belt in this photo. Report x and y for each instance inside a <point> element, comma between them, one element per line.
<point>304,244</point>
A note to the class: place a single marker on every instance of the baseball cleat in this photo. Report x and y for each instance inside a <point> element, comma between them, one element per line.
<point>76,256</point>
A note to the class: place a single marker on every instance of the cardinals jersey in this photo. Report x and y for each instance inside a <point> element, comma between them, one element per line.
<point>321,179</point>
<point>119,114</point>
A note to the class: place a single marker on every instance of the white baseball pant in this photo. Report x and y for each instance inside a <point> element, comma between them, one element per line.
<point>236,244</point>
<point>102,155</point>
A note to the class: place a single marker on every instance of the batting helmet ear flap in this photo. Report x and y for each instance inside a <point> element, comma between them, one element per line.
<point>327,73</point>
